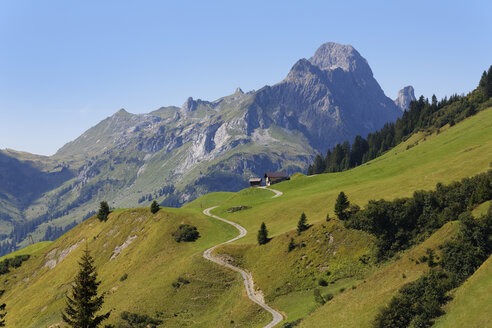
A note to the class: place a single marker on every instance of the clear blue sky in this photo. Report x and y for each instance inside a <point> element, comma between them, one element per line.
<point>66,65</point>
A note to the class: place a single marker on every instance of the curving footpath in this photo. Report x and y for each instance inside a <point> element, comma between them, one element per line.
<point>248,279</point>
<point>277,193</point>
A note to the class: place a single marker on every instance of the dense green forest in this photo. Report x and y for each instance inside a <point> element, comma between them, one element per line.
<point>422,115</point>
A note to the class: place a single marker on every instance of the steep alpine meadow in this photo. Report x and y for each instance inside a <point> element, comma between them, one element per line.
<point>143,270</point>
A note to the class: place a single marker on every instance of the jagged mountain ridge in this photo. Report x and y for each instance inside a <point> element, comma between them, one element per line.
<point>177,154</point>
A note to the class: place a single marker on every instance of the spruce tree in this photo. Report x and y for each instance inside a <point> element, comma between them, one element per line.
<point>302,224</point>
<point>319,164</point>
<point>483,80</point>
<point>341,206</point>
<point>154,207</point>
<point>103,213</point>
<point>81,308</point>
<point>488,87</point>
<point>263,234</point>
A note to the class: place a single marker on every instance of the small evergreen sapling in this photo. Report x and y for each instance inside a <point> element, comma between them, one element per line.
<point>263,234</point>
<point>291,246</point>
<point>103,213</point>
<point>302,224</point>
<point>154,208</point>
<point>341,205</point>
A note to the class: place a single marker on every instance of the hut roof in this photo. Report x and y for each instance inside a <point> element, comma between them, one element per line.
<point>275,175</point>
<point>255,180</point>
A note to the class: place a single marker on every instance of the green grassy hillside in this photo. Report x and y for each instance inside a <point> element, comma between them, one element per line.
<point>32,250</point>
<point>358,307</point>
<point>472,303</point>
<point>214,296</point>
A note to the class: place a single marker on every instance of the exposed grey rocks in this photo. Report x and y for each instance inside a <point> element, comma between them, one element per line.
<point>189,105</point>
<point>56,256</point>
<point>331,56</point>
<point>118,249</point>
<point>331,97</point>
<point>405,96</point>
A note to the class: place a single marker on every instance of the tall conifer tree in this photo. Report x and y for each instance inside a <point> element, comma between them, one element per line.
<point>103,213</point>
<point>341,206</point>
<point>81,308</point>
<point>302,224</point>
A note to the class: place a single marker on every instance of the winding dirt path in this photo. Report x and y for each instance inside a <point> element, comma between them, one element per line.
<point>277,193</point>
<point>248,279</point>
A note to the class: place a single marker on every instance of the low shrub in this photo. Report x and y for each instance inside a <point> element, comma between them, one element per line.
<point>186,232</point>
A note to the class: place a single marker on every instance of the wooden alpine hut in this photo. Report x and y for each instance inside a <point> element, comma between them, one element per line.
<point>275,177</point>
<point>254,182</point>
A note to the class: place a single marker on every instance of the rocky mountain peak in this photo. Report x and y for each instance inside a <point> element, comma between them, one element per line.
<point>189,105</point>
<point>301,69</point>
<point>405,96</point>
<point>239,91</point>
<point>121,112</point>
<point>331,56</point>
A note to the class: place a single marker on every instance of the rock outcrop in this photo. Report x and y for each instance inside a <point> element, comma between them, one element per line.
<point>405,96</point>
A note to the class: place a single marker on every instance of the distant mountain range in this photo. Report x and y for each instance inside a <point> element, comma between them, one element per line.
<point>176,154</point>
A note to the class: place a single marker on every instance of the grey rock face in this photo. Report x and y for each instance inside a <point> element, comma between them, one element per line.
<point>405,96</point>
<point>331,56</point>
<point>189,105</point>
<point>333,96</point>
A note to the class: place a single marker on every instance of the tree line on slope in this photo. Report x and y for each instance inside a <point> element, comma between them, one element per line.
<point>419,302</point>
<point>401,223</point>
<point>421,115</point>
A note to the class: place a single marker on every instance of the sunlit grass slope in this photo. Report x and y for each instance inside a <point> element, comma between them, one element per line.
<point>472,303</point>
<point>326,254</point>
<point>215,297</point>
<point>29,250</point>
<point>358,307</point>
<point>419,163</point>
